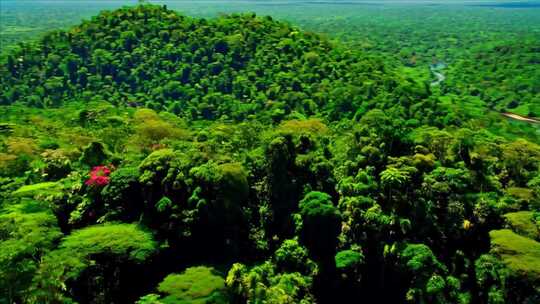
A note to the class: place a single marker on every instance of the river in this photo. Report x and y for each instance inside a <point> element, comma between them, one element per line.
<point>436,70</point>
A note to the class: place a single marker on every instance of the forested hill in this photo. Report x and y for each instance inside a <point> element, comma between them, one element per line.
<point>230,67</point>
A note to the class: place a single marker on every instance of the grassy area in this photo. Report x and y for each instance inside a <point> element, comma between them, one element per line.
<point>523,223</point>
<point>520,254</point>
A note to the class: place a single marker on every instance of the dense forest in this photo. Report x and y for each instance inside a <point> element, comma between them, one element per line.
<point>154,158</point>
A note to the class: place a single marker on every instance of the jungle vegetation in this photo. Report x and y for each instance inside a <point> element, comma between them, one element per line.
<point>150,157</point>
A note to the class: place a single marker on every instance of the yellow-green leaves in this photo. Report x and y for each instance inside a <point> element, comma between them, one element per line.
<point>520,254</point>
<point>196,285</point>
<point>121,240</point>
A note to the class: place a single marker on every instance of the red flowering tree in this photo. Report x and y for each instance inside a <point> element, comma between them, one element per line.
<point>99,176</point>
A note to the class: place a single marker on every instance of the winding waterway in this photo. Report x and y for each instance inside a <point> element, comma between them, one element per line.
<point>436,70</point>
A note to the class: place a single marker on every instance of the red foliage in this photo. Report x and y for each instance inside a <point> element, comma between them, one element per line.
<point>99,176</point>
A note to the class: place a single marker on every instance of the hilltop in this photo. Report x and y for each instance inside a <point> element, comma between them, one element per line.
<point>234,66</point>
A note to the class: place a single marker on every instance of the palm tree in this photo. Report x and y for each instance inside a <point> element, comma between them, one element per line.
<point>392,178</point>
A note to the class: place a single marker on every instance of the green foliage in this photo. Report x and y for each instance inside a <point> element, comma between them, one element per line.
<point>234,184</point>
<point>126,241</point>
<point>57,164</point>
<point>516,94</point>
<point>227,133</point>
<point>122,195</point>
<point>95,154</point>
<point>349,259</point>
<point>87,248</point>
<point>150,299</point>
<point>262,284</point>
<point>289,288</point>
<point>164,204</point>
<point>308,126</point>
<point>202,70</point>
<point>521,158</point>
<point>121,182</point>
<point>155,166</point>
<point>491,277</point>
<point>520,254</point>
<point>292,257</point>
<point>523,223</point>
<point>435,284</point>
<point>151,129</point>
<point>196,285</point>
<point>446,180</point>
<point>320,224</point>
<point>430,282</point>
<point>27,232</point>
<point>55,270</point>
<point>45,188</point>
<point>419,258</point>
<point>393,177</point>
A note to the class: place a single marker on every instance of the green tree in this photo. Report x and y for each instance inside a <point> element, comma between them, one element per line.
<point>320,224</point>
<point>491,276</point>
<point>521,158</point>
<point>122,195</point>
<point>95,154</point>
<point>430,282</point>
<point>394,179</point>
<point>103,248</point>
<point>27,232</point>
<point>292,257</point>
<point>198,284</point>
<point>263,284</point>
